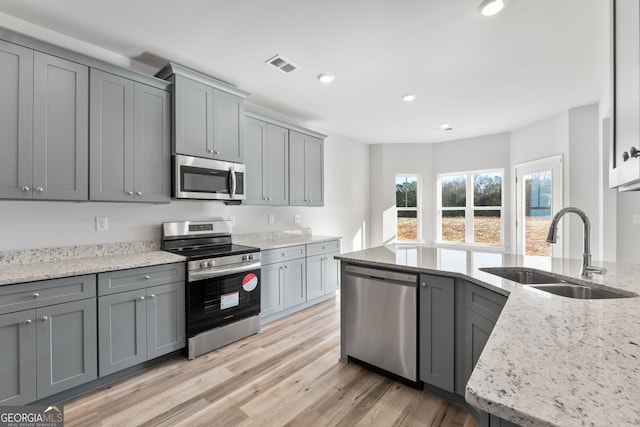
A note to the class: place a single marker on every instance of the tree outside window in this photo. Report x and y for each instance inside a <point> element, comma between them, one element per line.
<point>470,207</point>
<point>407,207</point>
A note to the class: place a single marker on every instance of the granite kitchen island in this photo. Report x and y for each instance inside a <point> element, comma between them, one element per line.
<point>550,360</point>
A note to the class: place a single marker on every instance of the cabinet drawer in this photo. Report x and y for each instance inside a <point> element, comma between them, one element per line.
<point>323,247</point>
<point>25,296</point>
<point>137,278</point>
<point>283,254</point>
<point>484,301</point>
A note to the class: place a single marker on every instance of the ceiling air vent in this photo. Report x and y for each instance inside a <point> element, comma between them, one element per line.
<point>282,64</point>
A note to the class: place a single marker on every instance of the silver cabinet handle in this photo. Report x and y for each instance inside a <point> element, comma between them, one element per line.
<point>147,277</point>
<point>25,188</point>
<point>44,318</point>
<point>232,184</point>
<point>138,193</point>
<point>39,189</point>
<point>424,285</point>
<point>216,152</point>
<point>152,296</point>
<point>35,295</point>
<point>286,266</point>
<point>210,151</point>
<point>130,193</point>
<point>141,298</point>
<point>27,322</point>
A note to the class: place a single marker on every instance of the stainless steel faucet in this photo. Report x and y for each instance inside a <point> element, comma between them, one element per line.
<point>587,268</point>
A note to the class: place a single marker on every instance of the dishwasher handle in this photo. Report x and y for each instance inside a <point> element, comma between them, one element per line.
<point>406,279</point>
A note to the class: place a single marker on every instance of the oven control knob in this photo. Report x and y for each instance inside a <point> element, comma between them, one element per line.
<point>212,263</point>
<point>252,257</point>
<point>204,264</point>
<point>245,257</point>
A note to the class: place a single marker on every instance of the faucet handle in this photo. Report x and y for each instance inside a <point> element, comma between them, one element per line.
<point>597,270</point>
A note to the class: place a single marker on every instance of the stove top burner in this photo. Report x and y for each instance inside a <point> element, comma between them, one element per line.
<point>214,251</point>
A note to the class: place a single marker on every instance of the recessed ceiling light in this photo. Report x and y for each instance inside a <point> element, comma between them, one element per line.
<point>408,97</point>
<point>446,127</point>
<point>326,78</point>
<point>491,7</point>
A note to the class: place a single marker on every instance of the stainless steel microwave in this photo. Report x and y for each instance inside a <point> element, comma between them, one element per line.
<point>207,179</point>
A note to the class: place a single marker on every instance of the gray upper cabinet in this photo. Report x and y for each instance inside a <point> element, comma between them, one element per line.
<point>44,120</point>
<point>625,128</point>
<point>267,161</point>
<point>208,115</point>
<point>437,334</point>
<point>129,138</point>
<point>306,170</point>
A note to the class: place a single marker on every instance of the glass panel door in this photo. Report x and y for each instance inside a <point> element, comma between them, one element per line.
<point>538,197</point>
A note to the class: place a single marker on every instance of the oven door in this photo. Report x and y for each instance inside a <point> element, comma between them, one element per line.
<point>222,299</point>
<point>197,178</point>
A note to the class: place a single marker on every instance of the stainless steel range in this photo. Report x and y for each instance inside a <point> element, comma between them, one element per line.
<point>223,283</point>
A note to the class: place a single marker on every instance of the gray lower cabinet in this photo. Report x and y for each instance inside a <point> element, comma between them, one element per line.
<point>44,121</point>
<point>323,270</point>
<point>272,289</point>
<point>129,140</point>
<point>267,161</point>
<point>138,323</point>
<point>294,277</point>
<point>306,170</point>
<point>437,332</point>
<point>50,344</point>
<point>283,279</point>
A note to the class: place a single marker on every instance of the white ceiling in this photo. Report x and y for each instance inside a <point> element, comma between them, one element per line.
<point>481,75</point>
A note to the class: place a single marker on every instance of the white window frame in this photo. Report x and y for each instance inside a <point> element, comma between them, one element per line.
<point>417,209</point>
<point>469,209</point>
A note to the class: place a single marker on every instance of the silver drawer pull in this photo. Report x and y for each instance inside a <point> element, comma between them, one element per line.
<point>39,189</point>
<point>147,277</point>
<point>141,298</point>
<point>152,296</point>
<point>25,188</point>
<point>35,295</point>
<point>44,318</point>
<point>28,321</point>
<point>138,193</point>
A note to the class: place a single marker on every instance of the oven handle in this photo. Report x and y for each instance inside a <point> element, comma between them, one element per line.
<point>207,274</point>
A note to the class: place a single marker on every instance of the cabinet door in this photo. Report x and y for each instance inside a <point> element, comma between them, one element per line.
<point>277,165</point>
<point>122,331</point>
<point>255,158</point>
<point>437,300</point>
<point>297,169</point>
<point>60,129</point>
<point>295,287</point>
<point>272,289</point>
<point>165,319</point>
<point>111,137</point>
<point>331,272</point>
<point>315,276</point>
<point>152,173</point>
<point>193,133</point>
<point>67,346</point>
<point>16,121</point>
<point>228,127</point>
<point>477,330</point>
<point>18,358</point>
<point>314,171</point>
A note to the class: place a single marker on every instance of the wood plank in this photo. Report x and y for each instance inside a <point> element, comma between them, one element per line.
<point>288,374</point>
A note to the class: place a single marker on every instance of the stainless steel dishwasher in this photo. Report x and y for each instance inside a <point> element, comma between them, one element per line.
<point>380,318</point>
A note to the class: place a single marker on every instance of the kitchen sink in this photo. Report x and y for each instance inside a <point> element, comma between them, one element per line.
<point>553,285</point>
<point>522,276</point>
<point>577,291</point>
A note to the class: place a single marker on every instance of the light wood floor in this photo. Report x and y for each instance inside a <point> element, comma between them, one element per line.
<point>289,374</point>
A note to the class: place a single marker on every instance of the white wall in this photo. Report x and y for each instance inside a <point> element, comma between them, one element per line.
<point>25,224</point>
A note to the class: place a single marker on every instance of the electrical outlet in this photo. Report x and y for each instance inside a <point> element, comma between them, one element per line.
<point>297,218</point>
<point>272,218</point>
<point>635,218</point>
<point>102,223</point>
<point>233,220</point>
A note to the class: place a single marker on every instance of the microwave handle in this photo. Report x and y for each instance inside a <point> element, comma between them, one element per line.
<point>232,184</point>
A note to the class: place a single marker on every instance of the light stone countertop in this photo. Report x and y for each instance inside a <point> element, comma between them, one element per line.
<point>550,360</point>
<point>281,239</point>
<point>25,266</point>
